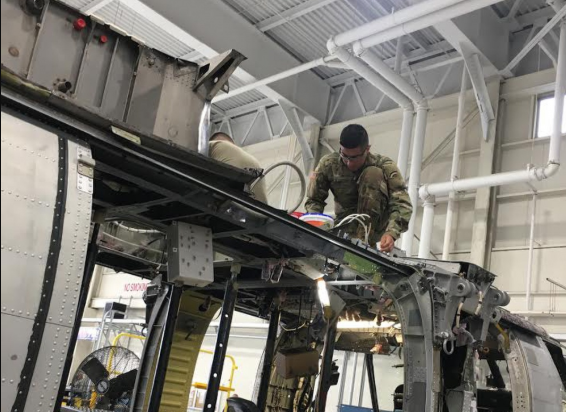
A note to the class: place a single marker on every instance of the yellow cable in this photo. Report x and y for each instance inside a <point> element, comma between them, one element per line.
<point>506,341</point>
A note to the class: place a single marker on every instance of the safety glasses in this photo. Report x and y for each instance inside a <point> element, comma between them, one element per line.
<point>352,158</point>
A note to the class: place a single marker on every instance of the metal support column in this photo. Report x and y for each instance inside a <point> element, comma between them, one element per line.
<point>371,382</point>
<point>268,357</point>
<point>531,255</point>
<point>353,380</point>
<point>326,370</point>
<point>343,380</point>
<point>90,264</point>
<point>221,347</point>
<point>164,350</point>
<point>362,385</point>
<point>483,195</point>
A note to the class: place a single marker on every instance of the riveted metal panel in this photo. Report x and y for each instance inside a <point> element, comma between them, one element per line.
<point>546,385</point>
<point>146,92</point>
<point>70,271</point>
<point>18,36</point>
<point>95,67</point>
<point>62,62</point>
<point>179,111</point>
<point>13,354</point>
<point>119,80</point>
<point>29,187</point>
<point>518,374</point>
<point>30,173</point>
<point>48,370</point>
<point>73,247</point>
<point>29,184</point>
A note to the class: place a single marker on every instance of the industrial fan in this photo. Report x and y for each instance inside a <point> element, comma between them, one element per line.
<point>105,380</point>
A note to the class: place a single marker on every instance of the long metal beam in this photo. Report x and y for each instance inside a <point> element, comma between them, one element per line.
<point>529,19</point>
<point>268,357</point>
<point>440,51</point>
<point>371,381</point>
<point>326,368</point>
<point>245,109</point>
<point>221,346</point>
<point>292,14</point>
<point>507,71</point>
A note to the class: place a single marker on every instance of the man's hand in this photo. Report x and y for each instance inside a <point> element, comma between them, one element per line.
<point>387,243</point>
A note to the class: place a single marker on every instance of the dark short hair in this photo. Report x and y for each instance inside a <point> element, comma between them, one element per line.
<point>354,135</point>
<point>218,135</point>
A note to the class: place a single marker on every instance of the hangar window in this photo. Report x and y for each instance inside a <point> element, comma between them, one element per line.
<point>545,115</point>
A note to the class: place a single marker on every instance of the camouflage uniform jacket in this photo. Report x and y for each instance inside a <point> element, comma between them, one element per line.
<point>394,210</point>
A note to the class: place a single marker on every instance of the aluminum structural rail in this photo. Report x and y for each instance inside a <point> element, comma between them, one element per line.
<point>429,191</point>
<point>455,171</point>
<point>276,77</point>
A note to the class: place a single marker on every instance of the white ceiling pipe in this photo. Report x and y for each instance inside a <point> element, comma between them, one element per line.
<point>392,20</point>
<point>414,181</point>
<point>426,228</point>
<point>405,142</point>
<point>388,74</point>
<point>531,254</point>
<point>422,22</point>
<point>276,77</point>
<point>372,77</point>
<point>559,92</point>
<point>337,65</point>
<point>532,173</point>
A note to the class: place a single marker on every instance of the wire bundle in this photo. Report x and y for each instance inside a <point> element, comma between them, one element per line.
<point>360,218</point>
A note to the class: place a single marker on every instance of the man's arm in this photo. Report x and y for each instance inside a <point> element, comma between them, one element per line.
<point>317,193</point>
<point>400,208</point>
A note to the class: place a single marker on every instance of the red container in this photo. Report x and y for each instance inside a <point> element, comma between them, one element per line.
<point>298,215</point>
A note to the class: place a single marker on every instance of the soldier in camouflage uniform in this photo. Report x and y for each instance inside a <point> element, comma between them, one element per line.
<point>365,183</point>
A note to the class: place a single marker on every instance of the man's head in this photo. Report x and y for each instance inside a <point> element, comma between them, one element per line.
<point>220,136</point>
<point>354,146</point>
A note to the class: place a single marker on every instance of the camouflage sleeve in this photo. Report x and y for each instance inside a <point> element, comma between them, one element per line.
<point>400,208</point>
<point>319,186</point>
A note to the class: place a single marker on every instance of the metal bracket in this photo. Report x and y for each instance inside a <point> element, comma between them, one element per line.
<point>190,255</point>
<point>85,170</point>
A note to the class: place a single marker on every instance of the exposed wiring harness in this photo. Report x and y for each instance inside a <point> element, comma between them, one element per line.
<point>305,324</point>
<point>301,179</point>
<point>136,230</point>
<point>357,217</point>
